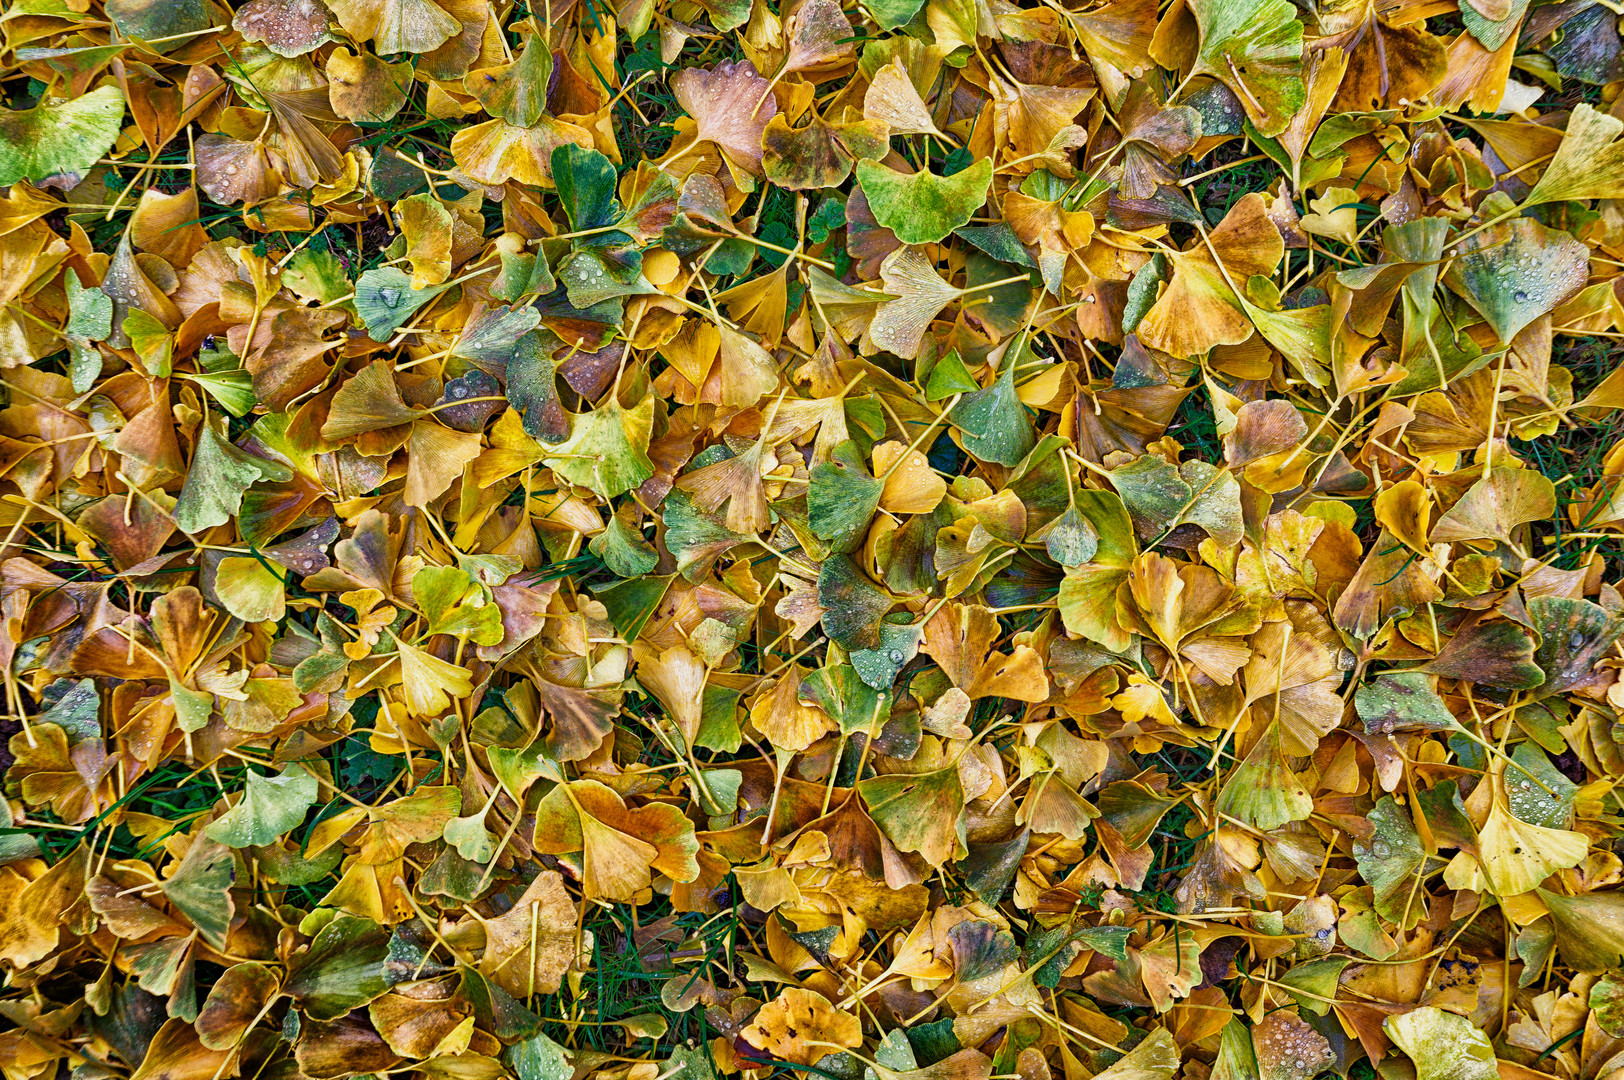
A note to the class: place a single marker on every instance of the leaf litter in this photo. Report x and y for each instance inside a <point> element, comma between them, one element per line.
<point>913,538</point>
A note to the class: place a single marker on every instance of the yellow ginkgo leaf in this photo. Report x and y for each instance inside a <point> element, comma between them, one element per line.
<point>1518,857</point>
<point>429,682</point>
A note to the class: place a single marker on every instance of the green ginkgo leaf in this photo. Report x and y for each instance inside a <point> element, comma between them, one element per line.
<point>221,474</point>
<point>1443,1045</point>
<point>518,92</point>
<point>59,138</point>
<point>162,21</point>
<point>1256,48</point>
<point>1517,271</point>
<point>200,889</point>
<point>1402,701</point>
<point>842,497</point>
<point>385,300</point>
<point>623,549</point>
<point>586,186</point>
<point>270,806</point>
<point>532,386</point>
<point>921,812</point>
<point>470,837</point>
<point>90,319</point>
<point>993,424</point>
<point>853,605</point>
<point>455,604</point>
<point>607,450</point>
<point>850,702</point>
<point>924,208</point>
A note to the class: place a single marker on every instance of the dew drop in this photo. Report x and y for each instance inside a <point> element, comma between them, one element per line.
<point>1521,296</point>
<point>390,297</point>
<point>895,656</point>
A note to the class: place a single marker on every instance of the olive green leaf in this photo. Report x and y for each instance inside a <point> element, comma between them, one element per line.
<point>385,300</point>
<point>1161,496</point>
<point>59,138</point>
<point>517,92</point>
<point>993,424</point>
<point>270,806</point>
<point>1589,162</point>
<point>90,319</point>
<point>853,605</point>
<point>1589,929</point>
<point>921,812</point>
<point>694,538</point>
<point>842,497</point>
<point>149,20</point>
<point>586,187</point>
<point>1389,862</point>
<point>1516,271</point>
<point>220,475</point>
<point>200,888</point>
<point>1402,701</point>
<point>853,704</point>
<point>1574,635</point>
<point>343,968</point>
<point>924,208</point>
<point>622,548</point>
<point>607,449</point>
<point>1443,1045</point>
<point>453,603</point>
<point>1256,48</point>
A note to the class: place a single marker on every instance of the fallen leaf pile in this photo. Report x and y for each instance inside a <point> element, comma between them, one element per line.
<point>885,540</point>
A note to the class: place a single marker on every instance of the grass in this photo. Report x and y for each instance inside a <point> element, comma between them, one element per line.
<point>1574,456</point>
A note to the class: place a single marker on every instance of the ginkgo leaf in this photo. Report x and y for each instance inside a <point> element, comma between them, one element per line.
<point>397,26</point>
<point>919,811</point>
<point>270,806</point>
<point>899,325</point>
<point>993,423</point>
<point>1589,162</point>
<point>288,28</point>
<point>429,682</point>
<point>730,105</point>
<point>923,208</point>
<point>1517,271</point>
<point>1199,309</point>
<point>586,187</point>
<point>1443,1045</point>
<point>620,847</point>
<point>219,477</point>
<point>893,99</point>
<point>386,300</point>
<point>250,589</point>
<point>802,1027</point>
<point>517,92</point>
<point>607,448</point>
<point>842,497</point>
<point>59,138</point>
<point>529,948</point>
<point>453,603</point>
<point>1497,504</point>
<point>1518,857</point>
<point>1263,791</point>
<point>1256,48</point>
